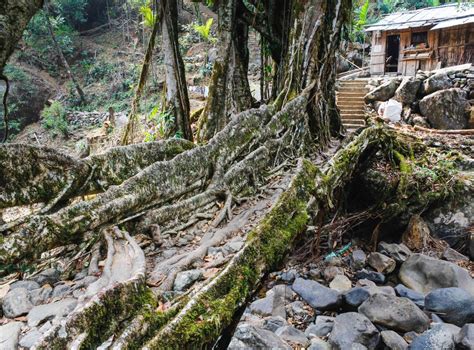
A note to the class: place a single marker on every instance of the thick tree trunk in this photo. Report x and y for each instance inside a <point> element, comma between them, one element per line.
<point>177,101</point>
<point>324,38</point>
<point>253,139</point>
<point>229,92</point>
<point>14,17</point>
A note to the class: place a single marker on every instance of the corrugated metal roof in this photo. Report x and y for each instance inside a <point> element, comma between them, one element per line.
<point>426,17</point>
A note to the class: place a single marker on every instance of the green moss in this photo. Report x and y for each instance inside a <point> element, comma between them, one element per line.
<point>214,309</point>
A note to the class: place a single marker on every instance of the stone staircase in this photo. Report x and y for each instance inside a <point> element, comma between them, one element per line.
<point>350,100</point>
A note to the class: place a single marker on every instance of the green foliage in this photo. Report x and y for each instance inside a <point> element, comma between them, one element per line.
<point>158,122</point>
<point>363,14</point>
<point>54,119</point>
<point>149,18</point>
<point>205,30</point>
<point>73,11</point>
<point>15,74</point>
<point>38,37</point>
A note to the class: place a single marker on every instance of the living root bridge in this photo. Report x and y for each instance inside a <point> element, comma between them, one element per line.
<point>231,161</point>
<point>197,318</point>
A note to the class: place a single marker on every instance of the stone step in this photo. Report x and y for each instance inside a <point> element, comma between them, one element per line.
<point>353,112</point>
<point>353,121</point>
<point>351,93</point>
<point>352,126</point>
<point>354,88</point>
<point>350,102</point>
<point>353,116</point>
<point>359,100</point>
<point>352,108</point>
<point>353,82</point>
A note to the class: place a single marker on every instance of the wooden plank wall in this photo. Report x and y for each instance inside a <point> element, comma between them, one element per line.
<point>456,45</point>
<point>377,55</point>
<point>452,46</point>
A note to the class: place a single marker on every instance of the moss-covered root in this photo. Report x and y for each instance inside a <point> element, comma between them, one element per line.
<point>31,174</point>
<point>161,182</point>
<point>119,294</point>
<point>212,308</point>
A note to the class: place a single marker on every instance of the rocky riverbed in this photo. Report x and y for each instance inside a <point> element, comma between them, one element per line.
<point>30,306</point>
<point>391,298</point>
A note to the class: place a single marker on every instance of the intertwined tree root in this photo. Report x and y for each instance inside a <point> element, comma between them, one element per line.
<point>197,317</point>
<point>168,195</point>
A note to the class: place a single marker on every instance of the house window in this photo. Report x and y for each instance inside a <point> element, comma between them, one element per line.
<point>419,39</point>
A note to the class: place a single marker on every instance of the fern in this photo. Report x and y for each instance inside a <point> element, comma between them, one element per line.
<point>204,30</point>
<point>149,17</point>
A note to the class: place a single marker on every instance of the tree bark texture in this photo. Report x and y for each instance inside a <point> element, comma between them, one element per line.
<point>14,17</point>
<point>177,100</point>
<point>229,92</point>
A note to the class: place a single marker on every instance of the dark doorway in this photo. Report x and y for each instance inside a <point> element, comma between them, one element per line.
<point>393,51</point>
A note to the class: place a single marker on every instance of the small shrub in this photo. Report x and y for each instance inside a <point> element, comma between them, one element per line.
<point>54,119</point>
<point>205,30</point>
<point>157,124</point>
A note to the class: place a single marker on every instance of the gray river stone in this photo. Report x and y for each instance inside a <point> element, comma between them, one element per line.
<point>16,303</point>
<point>399,314</point>
<point>353,328</point>
<point>317,295</point>
<point>49,311</point>
<point>9,334</point>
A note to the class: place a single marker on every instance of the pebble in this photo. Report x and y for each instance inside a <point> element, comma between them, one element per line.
<point>353,328</point>
<point>393,340</point>
<point>465,338</point>
<point>398,252</point>
<point>26,284</point>
<point>49,311</point>
<point>293,336</point>
<point>332,271</point>
<point>30,338</point>
<point>9,334</point>
<point>354,297</point>
<point>274,302</point>
<point>359,259</point>
<point>247,336</point>
<point>49,276</point>
<point>439,337</point>
<point>185,279</point>
<point>297,311</point>
<point>288,276</point>
<point>340,283</point>
<point>319,344</point>
<point>373,276</point>
<point>317,295</point>
<point>424,274</point>
<point>273,323</point>
<point>61,290</point>
<point>41,295</point>
<point>452,255</point>
<point>381,263</point>
<point>417,298</point>
<point>321,328</point>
